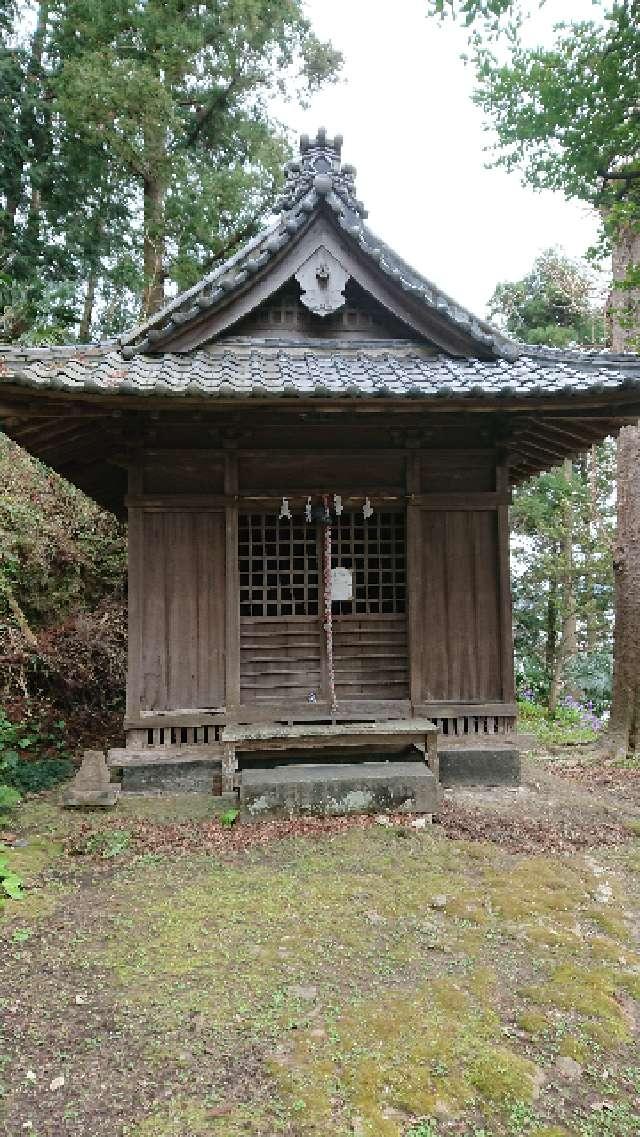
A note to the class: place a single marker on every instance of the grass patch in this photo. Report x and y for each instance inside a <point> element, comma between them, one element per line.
<point>314,987</point>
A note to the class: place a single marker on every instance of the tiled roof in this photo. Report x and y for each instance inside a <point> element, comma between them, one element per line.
<point>250,368</point>
<point>317,179</point>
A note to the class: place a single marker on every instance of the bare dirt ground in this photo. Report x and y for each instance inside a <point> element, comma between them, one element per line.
<point>165,976</point>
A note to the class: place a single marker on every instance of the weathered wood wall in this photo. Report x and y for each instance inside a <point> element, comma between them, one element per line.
<point>176,610</point>
<point>191,649</point>
<point>456,614</point>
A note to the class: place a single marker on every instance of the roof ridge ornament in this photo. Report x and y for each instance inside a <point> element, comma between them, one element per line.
<point>319,170</point>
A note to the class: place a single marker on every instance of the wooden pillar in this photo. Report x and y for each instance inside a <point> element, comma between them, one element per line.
<point>135,586</point>
<point>415,627</point>
<point>504,584</point>
<point>232,586</point>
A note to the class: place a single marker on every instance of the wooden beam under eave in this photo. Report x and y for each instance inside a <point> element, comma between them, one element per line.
<point>583,439</point>
<point>89,448</point>
<point>52,432</point>
<point>532,447</point>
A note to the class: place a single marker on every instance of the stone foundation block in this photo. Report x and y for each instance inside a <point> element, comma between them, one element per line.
<point>367,787</point>
<point>172,777</point>
<point>486,766</point>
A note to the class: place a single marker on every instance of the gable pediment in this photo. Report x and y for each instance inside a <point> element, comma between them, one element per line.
<point>319,245</point>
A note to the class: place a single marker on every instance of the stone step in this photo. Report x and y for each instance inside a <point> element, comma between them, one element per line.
<point>483,764</point>
<point>364,787</point>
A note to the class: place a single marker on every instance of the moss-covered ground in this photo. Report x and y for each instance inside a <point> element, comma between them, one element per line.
<point>382,982</point>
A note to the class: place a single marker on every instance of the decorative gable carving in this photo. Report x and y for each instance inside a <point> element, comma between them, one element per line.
<point>322,279</point>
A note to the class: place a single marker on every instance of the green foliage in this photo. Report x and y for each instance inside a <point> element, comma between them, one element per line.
<point>21,743</point>
<point>107,843</point>
<point>229,818</point>
<point>137,144</point>
<point>62,577</point>
<point>10,883</point>
<point>562,729</point>
<point>592,675</point>
<point>9,798</point>
<point>564,115</point>
<point>562,537</point>
<point>550,305</point>
<point>611,1120</point>
<point>56,546</point>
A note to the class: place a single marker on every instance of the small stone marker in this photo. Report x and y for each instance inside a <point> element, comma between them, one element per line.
<point>91,785</point>
<point>439,902</point>
<point>568,1069</point>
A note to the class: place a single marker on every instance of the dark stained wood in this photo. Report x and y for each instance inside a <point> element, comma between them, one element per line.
<point>459,607</point>
<point>135,589</point>
<point>232,586</point>
<point>415,584</point>
<point>504,592</point>
<point>444,710</point>
<point>483,550</point>
<point>431,608</point>
<point>370,654</point>
<point>280,659</point>
<point>182,611</point>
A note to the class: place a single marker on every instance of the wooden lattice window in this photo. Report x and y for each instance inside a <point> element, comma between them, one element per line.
<point>278,565</point>
<point>374,550</point>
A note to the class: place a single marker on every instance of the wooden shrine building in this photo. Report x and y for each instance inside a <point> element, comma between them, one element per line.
<point>314,447</point>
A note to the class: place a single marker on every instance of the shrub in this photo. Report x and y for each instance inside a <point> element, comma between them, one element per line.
<point>9,798</point>
<point>10,882</point>
<point>32,758</point>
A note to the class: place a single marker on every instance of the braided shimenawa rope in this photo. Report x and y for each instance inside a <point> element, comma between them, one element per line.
<point>328,611</point>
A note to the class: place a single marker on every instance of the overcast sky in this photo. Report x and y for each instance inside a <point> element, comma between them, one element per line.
<point>417,141</point>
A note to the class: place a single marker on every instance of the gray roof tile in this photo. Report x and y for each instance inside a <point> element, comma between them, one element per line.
<point>258,369</point>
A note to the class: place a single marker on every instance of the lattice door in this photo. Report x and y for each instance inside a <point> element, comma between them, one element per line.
<point>370,630</point>
<point>281,652</point>
<point>282,643</point>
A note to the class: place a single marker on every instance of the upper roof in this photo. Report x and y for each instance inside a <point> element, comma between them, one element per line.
<point>314,308</point>
<point>318,240</point>
<point>316,183</point>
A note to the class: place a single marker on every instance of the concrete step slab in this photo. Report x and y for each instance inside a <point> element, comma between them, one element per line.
<point>364,787</point>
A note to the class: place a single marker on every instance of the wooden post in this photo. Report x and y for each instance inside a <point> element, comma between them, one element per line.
<point>414,581</point>
<point>504,585</point>
<point>232,587</point>
<point>135,543</point>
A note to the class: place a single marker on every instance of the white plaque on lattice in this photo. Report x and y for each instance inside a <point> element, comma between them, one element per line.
<point>341,584</point>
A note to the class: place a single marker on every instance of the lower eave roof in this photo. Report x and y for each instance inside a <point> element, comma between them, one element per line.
<point>254,369</point>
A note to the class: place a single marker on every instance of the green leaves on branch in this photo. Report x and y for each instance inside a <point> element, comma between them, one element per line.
<point>10,883</point>
<point>552,304</point>
<point>566,116</point>
<point>137,143</point>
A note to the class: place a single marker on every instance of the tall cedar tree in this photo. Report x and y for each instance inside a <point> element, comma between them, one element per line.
<point>567,118</point>
<point>139,144</point>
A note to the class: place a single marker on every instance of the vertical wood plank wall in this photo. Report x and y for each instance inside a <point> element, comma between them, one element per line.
<point>458,614</point>
<point>177,621</point>
<point>184,623</point>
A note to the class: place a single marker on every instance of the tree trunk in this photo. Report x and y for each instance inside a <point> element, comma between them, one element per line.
<point>593,527</point>
<point>84,330</point>
<point>36,134</point>
<point>624,725</point>
<point>551,647</point>
<point>154,245</point>
<point>623,733</point>
<point>569,637</point>
<point>623,307</point>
